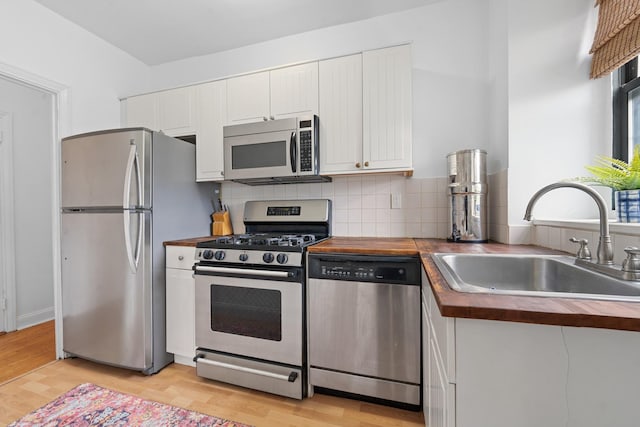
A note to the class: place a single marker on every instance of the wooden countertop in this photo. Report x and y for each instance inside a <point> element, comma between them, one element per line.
<point>188,242</point>
<point>366,245</point>
<point>539,310</point>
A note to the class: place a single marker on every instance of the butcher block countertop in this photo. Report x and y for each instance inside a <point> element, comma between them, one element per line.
<point>367,245</point>
<point>188,242</point>
<point>539,310</point>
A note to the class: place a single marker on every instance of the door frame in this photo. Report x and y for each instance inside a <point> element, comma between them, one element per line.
<point>7,243</point>
<point>61,122</point>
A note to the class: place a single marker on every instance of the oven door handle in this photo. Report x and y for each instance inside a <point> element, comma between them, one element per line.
<point>233,270</point>
<point>289,378</point>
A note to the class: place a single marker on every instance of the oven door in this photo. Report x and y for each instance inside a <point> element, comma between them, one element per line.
<point>260,155</point>
<point>251,317</point>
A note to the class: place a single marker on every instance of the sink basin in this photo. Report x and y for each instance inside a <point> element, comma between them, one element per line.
<point>535,275</point>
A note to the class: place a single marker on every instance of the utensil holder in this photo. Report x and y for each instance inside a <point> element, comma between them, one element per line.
<point>221,225</point>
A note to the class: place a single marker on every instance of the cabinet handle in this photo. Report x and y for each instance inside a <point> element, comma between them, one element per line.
<point>180,258</point>
<point>366,164</point>
<point>358,165</point>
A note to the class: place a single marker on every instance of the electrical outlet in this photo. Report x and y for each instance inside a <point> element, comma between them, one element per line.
<point>396,201</point>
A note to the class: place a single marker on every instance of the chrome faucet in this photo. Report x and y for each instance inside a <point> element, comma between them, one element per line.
<point>604,252</point>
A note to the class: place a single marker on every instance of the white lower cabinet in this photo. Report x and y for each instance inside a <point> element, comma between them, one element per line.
<point>438,367</point>
<point>506,374</point>
<point>180,292</point>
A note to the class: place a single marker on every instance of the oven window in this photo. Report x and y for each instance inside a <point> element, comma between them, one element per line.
<point>245,311</point>
<point>261,155</point>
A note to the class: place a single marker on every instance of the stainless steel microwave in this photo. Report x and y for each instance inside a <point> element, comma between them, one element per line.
<point>273,152</point>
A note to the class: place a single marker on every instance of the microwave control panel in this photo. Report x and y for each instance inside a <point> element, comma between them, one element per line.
<point>305,151</point>
<point>308,136</point>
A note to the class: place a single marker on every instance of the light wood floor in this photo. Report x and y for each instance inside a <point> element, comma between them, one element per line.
<point>26,349</point>
<point>179,385</point>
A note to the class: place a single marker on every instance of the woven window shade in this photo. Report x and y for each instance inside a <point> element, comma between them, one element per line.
<point>617,38</point>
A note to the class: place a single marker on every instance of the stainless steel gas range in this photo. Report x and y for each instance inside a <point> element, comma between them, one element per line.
<point>250,297</point>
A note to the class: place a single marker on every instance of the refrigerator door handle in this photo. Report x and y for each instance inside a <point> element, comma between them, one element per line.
<point>132,163</point>
<point>139,242</point>
<point>133,262</point>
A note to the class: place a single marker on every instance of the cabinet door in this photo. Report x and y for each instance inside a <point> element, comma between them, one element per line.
<point>248,98</point>
<point>180,291</point>
<point>212,116</point>
<point>142,110</point>
<point>439,414</point>
<point>294,91</point>
<point>387,108</point>
<point>426,360</point>
<point>341,114</point>
<point>176,111</point>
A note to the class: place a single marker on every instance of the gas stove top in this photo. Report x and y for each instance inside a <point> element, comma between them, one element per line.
<point>277,234</point>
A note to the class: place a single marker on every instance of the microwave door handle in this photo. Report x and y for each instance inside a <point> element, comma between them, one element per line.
<point>293,152</point>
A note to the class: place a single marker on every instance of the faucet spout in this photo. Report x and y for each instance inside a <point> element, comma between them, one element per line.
<point>605,247</point>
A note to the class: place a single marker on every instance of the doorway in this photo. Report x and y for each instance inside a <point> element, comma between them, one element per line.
<point>28,292</point>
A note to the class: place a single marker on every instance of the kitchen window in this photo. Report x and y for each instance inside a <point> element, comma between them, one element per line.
<point>626,110</point>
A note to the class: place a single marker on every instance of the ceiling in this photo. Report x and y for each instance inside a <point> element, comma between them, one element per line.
<point>159,31</point>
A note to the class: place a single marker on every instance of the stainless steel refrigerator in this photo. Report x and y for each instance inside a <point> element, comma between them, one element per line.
<point>124,192</point>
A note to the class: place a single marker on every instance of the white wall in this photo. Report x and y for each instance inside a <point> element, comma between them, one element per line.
<point>559,120</point>
<point>38,41</point>
<point>450,70</point>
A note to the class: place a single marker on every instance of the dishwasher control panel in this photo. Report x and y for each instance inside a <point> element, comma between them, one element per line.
<point>364,268</point>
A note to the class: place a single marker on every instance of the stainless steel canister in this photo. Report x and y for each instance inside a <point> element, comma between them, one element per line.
<point>467,171</point>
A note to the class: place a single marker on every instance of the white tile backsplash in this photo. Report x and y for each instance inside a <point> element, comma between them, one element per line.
<point>557,237</point>
<point>362,204</point>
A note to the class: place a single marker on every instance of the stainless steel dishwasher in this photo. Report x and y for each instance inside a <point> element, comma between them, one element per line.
<point>364,326</point>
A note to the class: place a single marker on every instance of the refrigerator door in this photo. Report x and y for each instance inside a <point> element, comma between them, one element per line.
<point>107,169</point>
<point>106,287</point>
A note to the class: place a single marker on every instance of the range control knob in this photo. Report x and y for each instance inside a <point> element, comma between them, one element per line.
<point>219,255</point>
<point>243,257</point>
<point>282,258</point>
<point>207,254</point>
<point>267,257</point>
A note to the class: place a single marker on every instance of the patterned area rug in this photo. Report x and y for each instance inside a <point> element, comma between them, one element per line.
<point>91,405</point>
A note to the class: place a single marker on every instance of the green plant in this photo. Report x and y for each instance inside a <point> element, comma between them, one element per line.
<point>615,173</point>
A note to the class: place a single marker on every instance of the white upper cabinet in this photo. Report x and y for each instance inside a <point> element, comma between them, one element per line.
<point>211,103</point>
<point>142,111</point>
<point>386,91</point>
<point>176,111</point>
<point>248,98</point>
<point>365,112</point>
<point>294,91</point>
<point>363,102</point>
<point>285,92</point>
<point>170,111</point>
<point>341,114</point>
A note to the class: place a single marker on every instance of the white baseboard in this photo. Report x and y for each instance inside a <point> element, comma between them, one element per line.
<point>35,318</point>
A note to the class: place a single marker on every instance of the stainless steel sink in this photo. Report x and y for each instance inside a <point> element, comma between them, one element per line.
<point>535,275</point>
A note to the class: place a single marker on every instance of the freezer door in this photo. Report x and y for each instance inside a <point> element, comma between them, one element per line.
<point>107,168</point>
<point>106,288</point>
